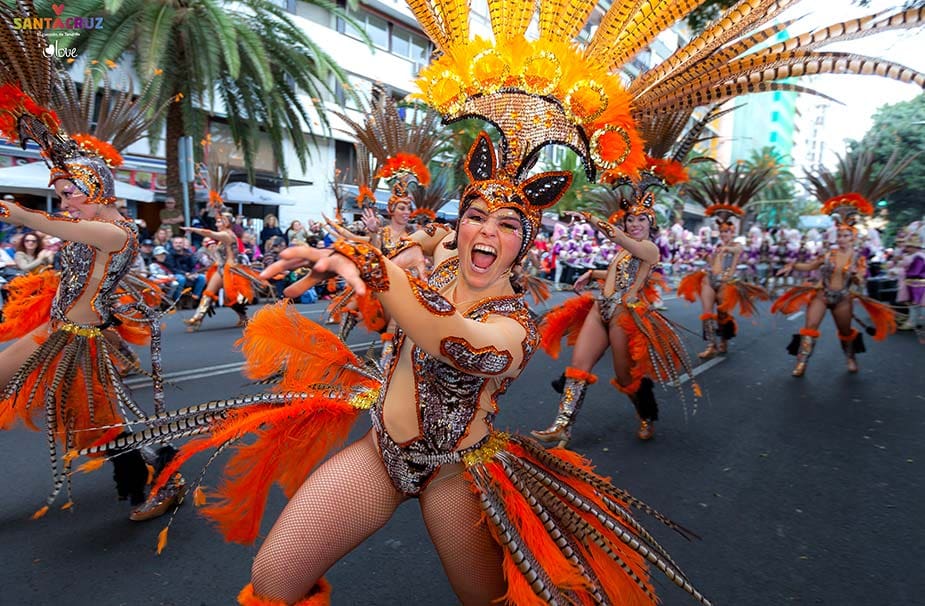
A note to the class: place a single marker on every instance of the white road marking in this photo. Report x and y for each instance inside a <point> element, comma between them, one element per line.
<point>193,374</point>
<point>796,315</point>
<point>701,369</point>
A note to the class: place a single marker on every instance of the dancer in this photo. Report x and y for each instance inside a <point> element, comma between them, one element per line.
<point>720,288</point>
<point>846,193</point>
<point>239,281</point>
<point>643,345</point>
<point>64,370</point>
<point>510,520</point>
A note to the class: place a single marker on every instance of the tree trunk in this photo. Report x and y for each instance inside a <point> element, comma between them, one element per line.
<point>172,139</point>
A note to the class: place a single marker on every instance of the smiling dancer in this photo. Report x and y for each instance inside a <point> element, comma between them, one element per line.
<point>644,346</point>
<point>510,521</point>
<point>846,192</point>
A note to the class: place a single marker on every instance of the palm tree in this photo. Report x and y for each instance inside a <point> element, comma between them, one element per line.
<point>777,202</point>
<point>248,55</point>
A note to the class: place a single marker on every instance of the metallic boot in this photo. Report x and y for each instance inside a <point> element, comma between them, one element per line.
<point>808,338</point>
<point>709,335</point>
<point>850,349</point>
<point>726,330</point>
<point>163,501</point>
<point>205,306</point>
<point>573,394</point>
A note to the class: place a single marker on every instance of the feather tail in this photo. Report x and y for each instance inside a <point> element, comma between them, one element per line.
<point>564,321</point>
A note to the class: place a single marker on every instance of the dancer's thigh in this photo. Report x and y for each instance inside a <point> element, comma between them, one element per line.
<point>341,504</point>
<point>470,556</point>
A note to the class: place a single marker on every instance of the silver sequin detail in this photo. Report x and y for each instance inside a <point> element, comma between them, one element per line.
<point>627,269</point>
<point>76,266</point>
<point>447,400</point>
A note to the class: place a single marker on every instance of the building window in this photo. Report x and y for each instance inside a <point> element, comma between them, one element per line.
<point>775,116</point>
<point>773,137</point>
<point>375,27</point>
<point>401,42</point>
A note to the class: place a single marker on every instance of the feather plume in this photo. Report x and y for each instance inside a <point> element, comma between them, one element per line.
<point>882,316</point>
<point>564,321</point>
<point>794,299</point>
<point>28,304</point>
<point>279,337</point>
<point>691,286</point>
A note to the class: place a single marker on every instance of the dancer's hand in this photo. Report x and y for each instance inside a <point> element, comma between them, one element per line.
<point>582,281</point>
<point>785,270</point>
<point>324,264</point>
<point>412,259</point>
<point>370,220</point>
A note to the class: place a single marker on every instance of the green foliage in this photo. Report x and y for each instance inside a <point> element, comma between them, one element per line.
<point>249,55</point>
<point>777,204</point>
<point>706,13</point>
<point>901,127</point>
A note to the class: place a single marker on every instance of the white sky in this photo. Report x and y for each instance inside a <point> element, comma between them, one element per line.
<point>861,95</point>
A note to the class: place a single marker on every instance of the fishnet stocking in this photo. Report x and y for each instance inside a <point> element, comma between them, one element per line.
<point>470,557</point>
<point>341,504</point>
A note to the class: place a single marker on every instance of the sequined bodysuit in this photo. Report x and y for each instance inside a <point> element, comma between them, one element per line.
<point>726,259</point>
<point>77,261</point>
<point>834,296</point>
<point>627,268</point>
<point>448,397</point>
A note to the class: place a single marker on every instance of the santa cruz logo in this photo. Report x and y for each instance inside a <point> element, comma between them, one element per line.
<point>57,22</point>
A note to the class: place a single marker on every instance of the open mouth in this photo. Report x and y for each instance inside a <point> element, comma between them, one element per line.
<point>483,256</point>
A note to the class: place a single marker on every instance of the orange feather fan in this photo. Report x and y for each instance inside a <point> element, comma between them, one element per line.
<point>28,305</point>
<point>237,287</point>
<point>104,150</point>
<point>794,299</point>
<point>743,294</point>
<point>290,440</point>
<point>404,162</point>
<point>672,171</point>
<point>881,315</point>
<point>280,338</point>
<point>15,103</point>
<point>371,311</point>
<point>424,212</point>
<point>854,199</point>
<point>564,321</point>
<point>691,285</point>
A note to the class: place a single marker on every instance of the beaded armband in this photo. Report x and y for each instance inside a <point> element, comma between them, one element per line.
<point>4,211</point>
<point>368,261</point>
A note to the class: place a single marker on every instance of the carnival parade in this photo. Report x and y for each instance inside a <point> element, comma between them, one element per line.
<point>448,302</point>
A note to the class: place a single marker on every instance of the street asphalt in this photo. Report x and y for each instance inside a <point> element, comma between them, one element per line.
<point>805,491</point>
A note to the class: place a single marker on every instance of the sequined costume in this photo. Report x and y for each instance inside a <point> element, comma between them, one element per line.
<point>845,195</point>
<point>239,282</point>
<point>654,351</point>
<point>456,400</point>
<point>724,196</point>
<point>73,373</point>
